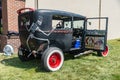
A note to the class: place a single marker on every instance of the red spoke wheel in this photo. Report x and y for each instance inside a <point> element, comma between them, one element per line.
<point>104,53</point>
<point>52,59</point>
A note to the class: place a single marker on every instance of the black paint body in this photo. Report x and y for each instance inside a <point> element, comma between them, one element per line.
<point>35,28</point>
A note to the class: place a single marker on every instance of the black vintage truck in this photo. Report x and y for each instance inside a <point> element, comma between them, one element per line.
<point>49,34</point>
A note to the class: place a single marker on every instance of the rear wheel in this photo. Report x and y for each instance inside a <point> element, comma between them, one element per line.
<point>52,59</point>
<point>103,53</point>
<point>23,55</point>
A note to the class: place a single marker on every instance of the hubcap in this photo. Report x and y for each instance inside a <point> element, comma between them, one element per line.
<point>54,60</point>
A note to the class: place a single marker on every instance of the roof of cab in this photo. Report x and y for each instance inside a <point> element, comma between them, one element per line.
<point>52,12</point>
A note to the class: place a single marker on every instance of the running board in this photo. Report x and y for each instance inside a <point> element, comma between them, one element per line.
<point>86,52</point>
<point>72,49</point>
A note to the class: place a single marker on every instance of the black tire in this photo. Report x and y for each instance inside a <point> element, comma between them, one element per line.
<point>52,59</point>
<point>23,55</point>
<point>103,53</point>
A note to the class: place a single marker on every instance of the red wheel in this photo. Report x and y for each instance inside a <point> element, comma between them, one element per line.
<point>52,59</point>
<point>105,52</point>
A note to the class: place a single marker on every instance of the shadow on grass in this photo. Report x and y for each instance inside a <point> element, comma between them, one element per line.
<point>118,40</point>
<point>15,62</point>
<point>36,63</point>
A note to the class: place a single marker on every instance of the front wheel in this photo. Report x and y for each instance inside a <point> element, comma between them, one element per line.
<point>103,53</point>
<point>52,59</point>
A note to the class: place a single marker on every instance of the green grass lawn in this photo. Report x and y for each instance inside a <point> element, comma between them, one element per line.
<point>89,67</point>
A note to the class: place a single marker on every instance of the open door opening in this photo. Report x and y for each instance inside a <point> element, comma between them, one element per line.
<point>96,39</point>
